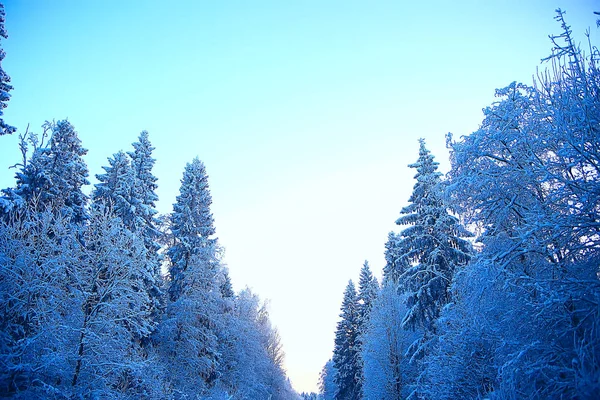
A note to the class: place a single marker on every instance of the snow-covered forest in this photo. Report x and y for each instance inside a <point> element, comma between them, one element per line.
<point>491,287</point>
<point>86,309</point>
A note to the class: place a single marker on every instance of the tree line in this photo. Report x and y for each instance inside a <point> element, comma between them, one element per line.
<point>86,310</point>
<point>491,289</point>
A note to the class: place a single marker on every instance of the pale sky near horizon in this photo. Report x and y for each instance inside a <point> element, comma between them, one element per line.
<point>305,113</point>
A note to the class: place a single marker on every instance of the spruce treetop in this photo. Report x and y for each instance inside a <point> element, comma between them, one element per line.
<point>192,226</point>
<point>422,258</point>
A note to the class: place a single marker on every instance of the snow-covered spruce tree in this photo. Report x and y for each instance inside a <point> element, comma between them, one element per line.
<point>188,336</point>
<point>54,175</point>
<point>129,186</point>
<point>327,386</point>
<point>226,287</point>
<point>345,354</point>
<point>368,288</point>
<point>425,254</point>
<point>144,187</point>
<point>144,194</point>
<point>115,188</point>
<point>191,225</point>
<point>5,86</point>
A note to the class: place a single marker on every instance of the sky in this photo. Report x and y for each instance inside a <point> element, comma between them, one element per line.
<point>305,113</point>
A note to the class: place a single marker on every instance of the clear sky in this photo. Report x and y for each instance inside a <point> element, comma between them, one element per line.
<point>306,114</point>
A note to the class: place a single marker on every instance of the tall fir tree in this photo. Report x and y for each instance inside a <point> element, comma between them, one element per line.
<point>192,224</point>
<point>189,333</point>
<point>368,288</point>
<point>424,256</point>
<point>54,176</point>
<point>144,194</point>
<point>115,188</point>
<point>327,386</point>
<point>145,186</point>
<point>5,86</point>
<point>345,354</point>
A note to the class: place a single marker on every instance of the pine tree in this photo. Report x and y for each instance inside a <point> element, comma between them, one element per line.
<point>116,188</point>
<point>117,191</point>
<point>327,386</point>
<point>192,224</point>
<point>5,86</point>
<point>145,186</point>
<point>426,253</point>
<point>188,336</point>
<point>189,333</point>
<point>368,288</point>
<point>226,287</point>
<point>345,353</point>
<point>55,175</point>
<point>144,196</point>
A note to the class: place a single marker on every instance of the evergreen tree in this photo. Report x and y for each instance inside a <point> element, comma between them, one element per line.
<point>327,386</point>
<point>425,254</point>
<point>54,176</point>
<point>189,334</point>
<point>147,223</point>
<point>5,86</point>
<point>144,187</point>
<point>226,287</point>
<point>191,224</point>
<point>345,353</point>
<point>116,188</point>
<point>368,288</point>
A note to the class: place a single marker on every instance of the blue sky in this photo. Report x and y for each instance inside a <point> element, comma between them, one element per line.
<point>306,114</point>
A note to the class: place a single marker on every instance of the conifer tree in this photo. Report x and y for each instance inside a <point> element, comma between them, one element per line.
<point>144,185</point>
<point>189,334</point>
<point>426,253</point>
<point>345,353</point>
<point>368,288</point>
<point>144,196</point>
<point>115,188</point>
<point>55,174</point>
<point>226,287</point>
<point>5,86</point>
<point>327,385</point>
<point>192,224</point>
